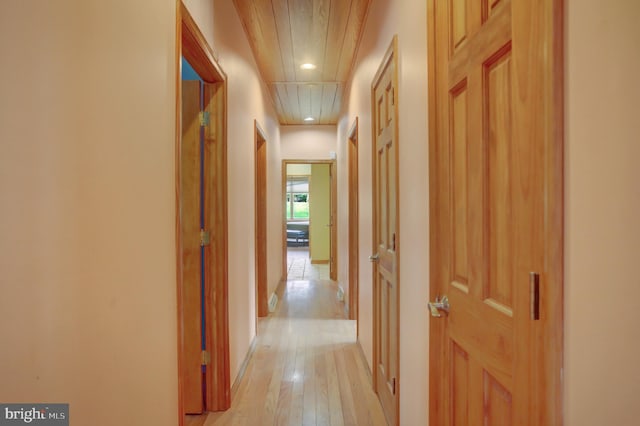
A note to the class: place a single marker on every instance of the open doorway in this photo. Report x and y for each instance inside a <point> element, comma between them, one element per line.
<point>309,231</point>
<point>201,225</point>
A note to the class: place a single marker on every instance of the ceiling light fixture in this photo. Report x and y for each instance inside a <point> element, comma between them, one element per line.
<point>309,119</point>
<point>308,66</point>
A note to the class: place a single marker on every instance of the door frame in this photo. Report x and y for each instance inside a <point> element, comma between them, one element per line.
<point>551,30</point>
<point>334,209</point>
<point>260,173</point>
<point>354,220</point>
<point>192,45</point>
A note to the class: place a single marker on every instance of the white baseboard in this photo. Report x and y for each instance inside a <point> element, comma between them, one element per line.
<point>243,368</point>
<point>273,302</point>
<point>340,293</point>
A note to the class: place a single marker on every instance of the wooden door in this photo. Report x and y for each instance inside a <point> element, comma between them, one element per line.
<point>353,223</point>
<point>385,234</point>
<point>333,222</point>
<point>201,178</point>
<point>496,211</point>
<point>215,251</point>
<point>261,223</point>
<point>191,250</point>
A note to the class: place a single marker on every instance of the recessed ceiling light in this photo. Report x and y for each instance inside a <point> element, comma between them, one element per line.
<point>309,119</point>
<point>308,66</point>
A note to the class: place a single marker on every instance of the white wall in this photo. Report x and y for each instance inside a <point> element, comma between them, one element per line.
<point>307,142</point>
<point>407,19</point>
<point>87,224</point>
<point>247,100</point>
<point>602,222</point>
<point>87,178</point>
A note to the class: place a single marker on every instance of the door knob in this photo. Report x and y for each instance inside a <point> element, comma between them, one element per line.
<point>374,257</point>
<point>439,305</point>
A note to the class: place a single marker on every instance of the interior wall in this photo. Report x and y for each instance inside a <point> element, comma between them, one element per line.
<point>87,179</point>
<point>407,19</point>
<point>602,345</point>
<point>307,142</point>
<point>299,169</point>
<point>319,213</point>
<point>246,100</point>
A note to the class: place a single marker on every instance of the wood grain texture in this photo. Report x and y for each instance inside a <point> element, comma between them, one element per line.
<point>354,244</point>
<point>501,186</point>
<point>285,34</point>
<point>216,269</point>
<point>386,283</point>
<point>190,236</point>
<point>307,367</point>
<point>333,234</point>
<point>192,45</point>
<point>260,172</point>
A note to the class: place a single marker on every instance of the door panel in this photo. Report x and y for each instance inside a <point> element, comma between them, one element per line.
<point>494,207</point>
<point>261,224</point>
<point>353,223</point>
<point>215,267</point>
<point>386,345</point>
<point>191,252</point>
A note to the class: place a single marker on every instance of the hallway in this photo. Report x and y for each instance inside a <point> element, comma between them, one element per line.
<point>306,368</point>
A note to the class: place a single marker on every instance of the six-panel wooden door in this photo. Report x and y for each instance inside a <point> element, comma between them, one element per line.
<point>496,213</point>
<point>385,234</point>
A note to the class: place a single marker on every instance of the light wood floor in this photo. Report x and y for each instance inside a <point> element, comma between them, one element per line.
<point>307,368</point>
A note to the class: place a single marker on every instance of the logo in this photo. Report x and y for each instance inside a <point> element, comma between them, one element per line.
<point>34,414</point>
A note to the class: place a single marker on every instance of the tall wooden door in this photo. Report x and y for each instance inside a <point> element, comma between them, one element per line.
<point>214,183</point>
<point>261,223</point>
<point>202,240</point>
<point>496,212</point>
<point>333,223</point>
<point>192,271</point>
<point>385,234</point>
<point>354,251</point>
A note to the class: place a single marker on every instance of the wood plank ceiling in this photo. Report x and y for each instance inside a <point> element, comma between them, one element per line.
<point>285,34</point>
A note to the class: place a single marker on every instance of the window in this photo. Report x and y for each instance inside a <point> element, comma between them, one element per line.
<point>297,205</point>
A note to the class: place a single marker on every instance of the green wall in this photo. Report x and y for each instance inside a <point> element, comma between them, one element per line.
<point>320,213</point>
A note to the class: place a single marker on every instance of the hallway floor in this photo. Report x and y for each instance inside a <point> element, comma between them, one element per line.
<point>299,266</point>
<point>307,368</point>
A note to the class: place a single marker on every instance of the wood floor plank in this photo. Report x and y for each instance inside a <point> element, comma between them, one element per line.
<point>346,396</point>
<point>323,417</point>
<point>307,368</point>
<point>335,403</point>
<point>309,393</point>
<point>283,407</point>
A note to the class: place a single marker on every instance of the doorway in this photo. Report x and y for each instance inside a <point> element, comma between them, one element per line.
<point>201,226</point>
<point>309,227</point>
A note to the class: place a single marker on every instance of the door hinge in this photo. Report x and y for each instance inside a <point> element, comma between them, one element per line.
<point>204,117</point>
<point>205,238</point>
<point>534,289</point>
<point>206,358</point>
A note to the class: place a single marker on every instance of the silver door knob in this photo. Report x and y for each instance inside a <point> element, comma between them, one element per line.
<point>374,257</point>
<point>439,305</point>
